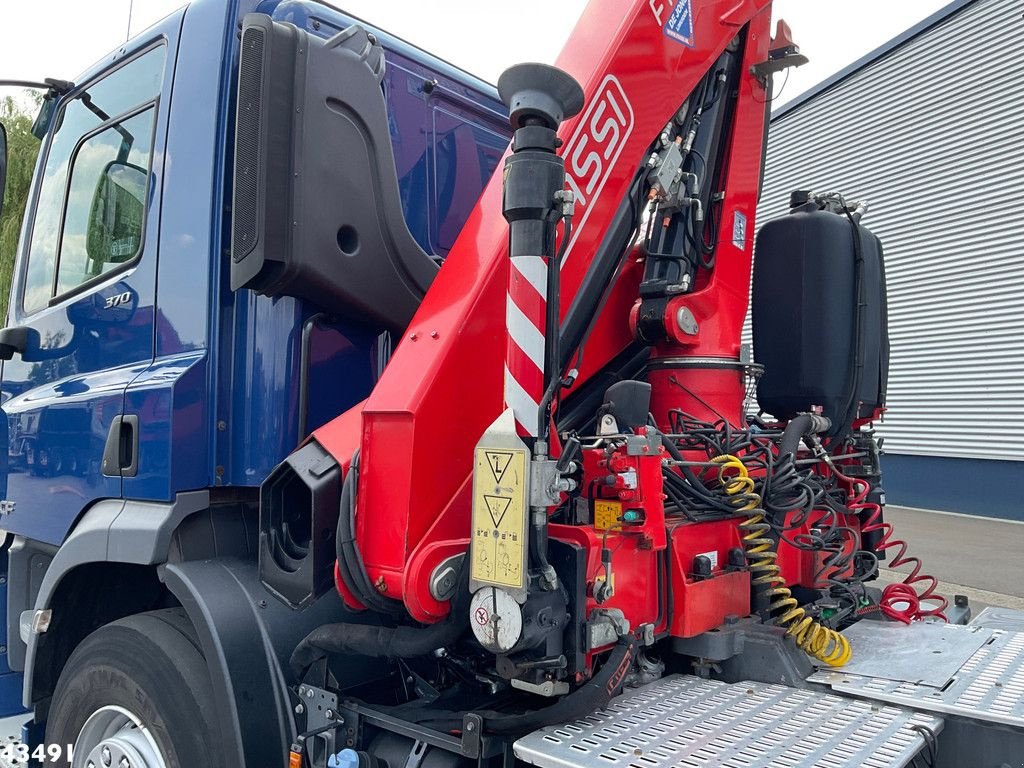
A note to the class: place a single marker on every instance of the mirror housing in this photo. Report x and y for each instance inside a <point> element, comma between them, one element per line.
<point>55,89</point>
<point>117,213</point>
<point>44,116</point>
<point>3,166</point>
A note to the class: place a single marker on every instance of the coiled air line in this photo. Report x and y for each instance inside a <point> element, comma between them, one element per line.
<point>814,639</point>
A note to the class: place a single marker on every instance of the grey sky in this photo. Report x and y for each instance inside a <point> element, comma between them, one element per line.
<point>483,37</point>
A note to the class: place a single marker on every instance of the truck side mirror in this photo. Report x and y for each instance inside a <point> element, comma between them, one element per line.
<point>116,215</point>
<point>3,166</point>
<point>57,88</point>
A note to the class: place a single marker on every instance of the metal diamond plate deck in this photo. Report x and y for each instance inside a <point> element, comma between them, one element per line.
<point>684,721</point>
<point>989,687</point>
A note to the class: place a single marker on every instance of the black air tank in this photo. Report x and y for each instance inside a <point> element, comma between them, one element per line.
<point>807,334</point>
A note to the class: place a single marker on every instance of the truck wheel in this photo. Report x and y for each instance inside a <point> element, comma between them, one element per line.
<point>136,694</point>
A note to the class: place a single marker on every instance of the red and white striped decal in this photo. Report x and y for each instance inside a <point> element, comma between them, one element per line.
<point>525,312</point>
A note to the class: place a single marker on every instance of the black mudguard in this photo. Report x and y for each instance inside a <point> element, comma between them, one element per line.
<point>246,636</point>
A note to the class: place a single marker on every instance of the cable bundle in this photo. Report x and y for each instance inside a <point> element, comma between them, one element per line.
<point>800,503</point>
<point>813,638</point>
<point>798,508</point>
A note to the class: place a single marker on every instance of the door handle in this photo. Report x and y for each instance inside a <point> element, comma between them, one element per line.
<point>13,340</point>
<point>121,452</point>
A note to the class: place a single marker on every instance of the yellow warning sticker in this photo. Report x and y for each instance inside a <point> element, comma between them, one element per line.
<point>607,514</point>
<point>499,517</point>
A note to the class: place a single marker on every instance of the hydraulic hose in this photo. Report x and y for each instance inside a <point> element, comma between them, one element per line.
<point>350,560</point>
<point>593,695</point>
<point>799,427</point>
<point>853,405</point>
<point>372,641</point>
<point>385,642</point>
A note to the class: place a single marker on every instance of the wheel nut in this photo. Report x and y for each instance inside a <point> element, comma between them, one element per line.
<point>105,755</point>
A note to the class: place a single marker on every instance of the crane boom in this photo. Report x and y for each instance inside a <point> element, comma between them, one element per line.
<point>639,64</point>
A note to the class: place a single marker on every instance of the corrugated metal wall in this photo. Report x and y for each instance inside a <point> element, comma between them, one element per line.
<point>932,135</point>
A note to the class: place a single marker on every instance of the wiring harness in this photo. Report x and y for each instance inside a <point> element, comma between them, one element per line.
<point>812,637</point>
<point>806,502</point>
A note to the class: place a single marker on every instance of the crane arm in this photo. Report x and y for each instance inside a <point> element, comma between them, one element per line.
<point>643,67</point>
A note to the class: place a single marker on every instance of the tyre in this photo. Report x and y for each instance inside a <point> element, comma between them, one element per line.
<point>136,693</point>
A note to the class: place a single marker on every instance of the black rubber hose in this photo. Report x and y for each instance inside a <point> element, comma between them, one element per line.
<point>372,641</point>
<point>799,427</point>
<point>385,642</point>
<point>552,332</point>
<point>794,432</point>
<point>853,405</point>
<point>593,695</point>
<point>694,483</point>
<point>672,449</point>
<point>350,560</point>
<point>600,275</point>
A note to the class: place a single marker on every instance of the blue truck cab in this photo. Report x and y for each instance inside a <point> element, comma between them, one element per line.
<point>152,379</point>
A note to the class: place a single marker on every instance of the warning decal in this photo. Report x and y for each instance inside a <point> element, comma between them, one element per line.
<point>497,506</point>
<point>499,517</point>
<point>607,514</point>
<point>498,462</point>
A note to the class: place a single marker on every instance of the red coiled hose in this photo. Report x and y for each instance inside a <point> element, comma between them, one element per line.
<point>901,601</point>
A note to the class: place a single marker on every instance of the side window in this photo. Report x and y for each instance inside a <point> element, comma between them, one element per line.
<point>92,196</point>
<point>106,202</point>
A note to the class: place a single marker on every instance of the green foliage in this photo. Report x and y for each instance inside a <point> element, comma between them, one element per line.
<point>22,148</point>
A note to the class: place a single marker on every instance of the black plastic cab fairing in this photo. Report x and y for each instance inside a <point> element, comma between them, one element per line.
<point>317,212</point>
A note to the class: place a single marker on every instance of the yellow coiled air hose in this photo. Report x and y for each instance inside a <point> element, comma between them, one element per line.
<point>816,640</point>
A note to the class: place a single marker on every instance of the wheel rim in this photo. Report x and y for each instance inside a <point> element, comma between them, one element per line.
<point>113,737</point>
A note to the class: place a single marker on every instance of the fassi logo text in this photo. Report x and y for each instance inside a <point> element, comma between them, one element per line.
<point>658,9</point>
<point>591,152</point>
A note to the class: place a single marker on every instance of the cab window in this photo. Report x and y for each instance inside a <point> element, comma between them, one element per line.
<point>92,196</point>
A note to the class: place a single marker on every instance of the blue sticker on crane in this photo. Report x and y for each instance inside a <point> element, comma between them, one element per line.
<point>680,24</point>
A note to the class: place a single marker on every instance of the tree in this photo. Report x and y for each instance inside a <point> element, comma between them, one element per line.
<point>22,148</point>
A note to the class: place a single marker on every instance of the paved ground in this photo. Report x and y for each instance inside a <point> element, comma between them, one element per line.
<point>982,554</point>
<point>980,557</point>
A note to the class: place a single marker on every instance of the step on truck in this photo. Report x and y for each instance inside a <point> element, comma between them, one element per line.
<point>360,413</point>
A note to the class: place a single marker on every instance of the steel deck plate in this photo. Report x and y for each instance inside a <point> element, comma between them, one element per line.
<point>989,687</point>
<point>8,753</point>
<point>686,721</point>
<point>922,652</point>
<point>994,617</point>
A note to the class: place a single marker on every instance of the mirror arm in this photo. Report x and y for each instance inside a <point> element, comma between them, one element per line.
<point>57,87</point>
<point>126,135</point>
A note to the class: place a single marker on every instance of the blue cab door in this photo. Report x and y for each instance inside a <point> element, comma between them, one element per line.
<point>84,288</point>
